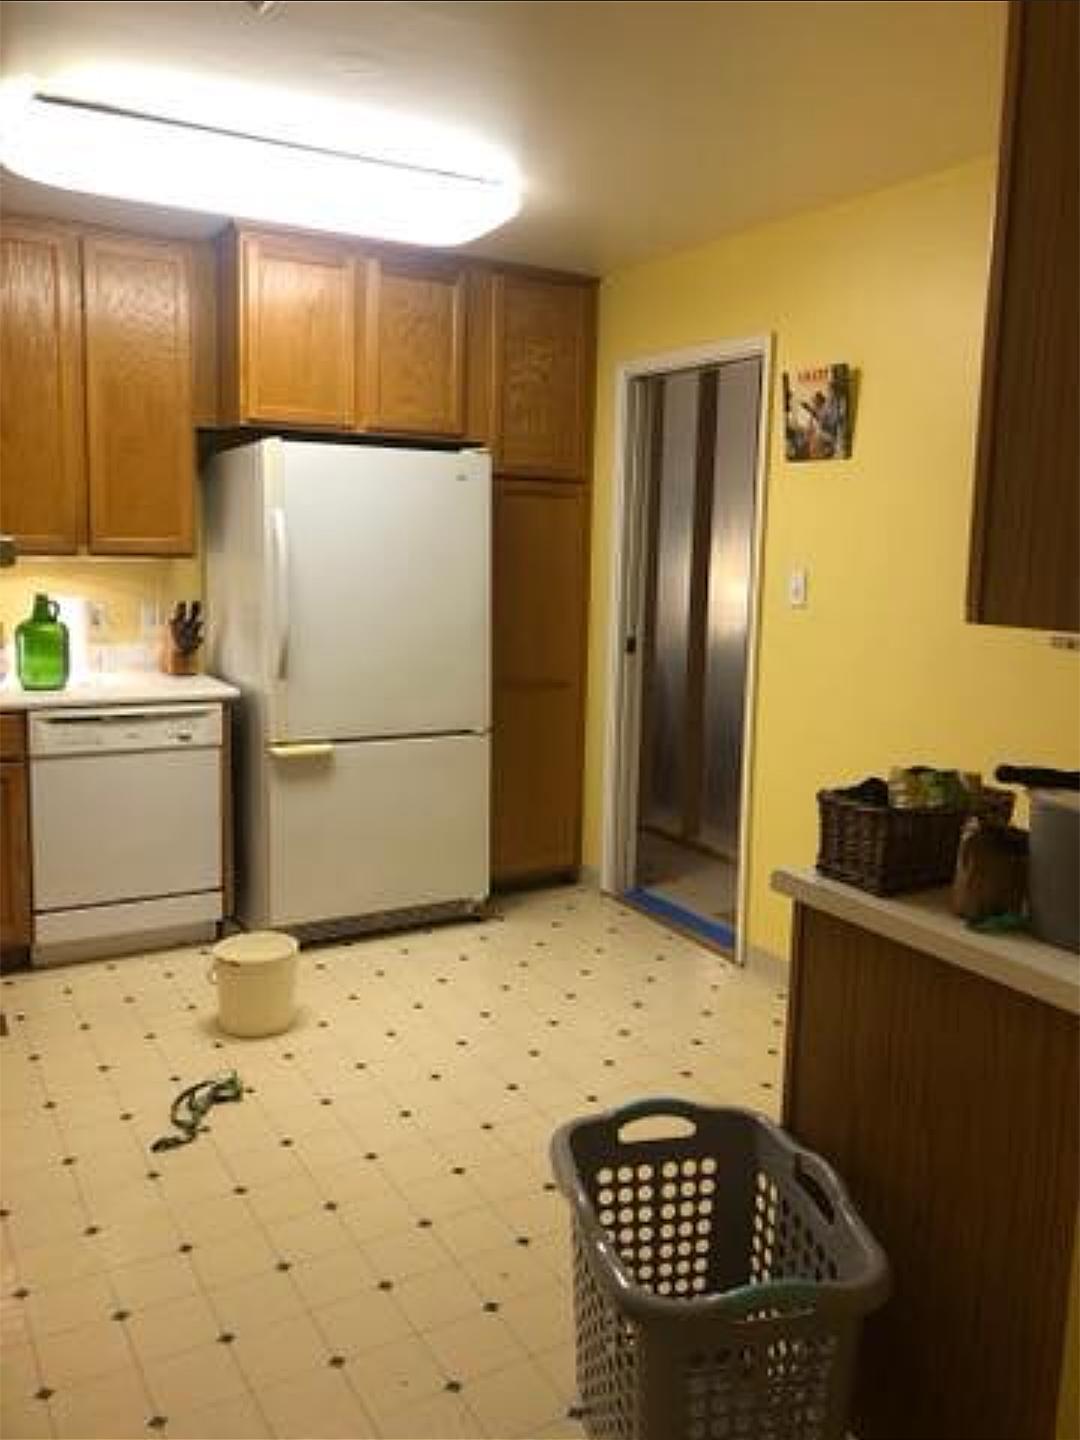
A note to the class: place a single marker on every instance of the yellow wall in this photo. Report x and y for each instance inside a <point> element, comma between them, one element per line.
<point>880,668</point>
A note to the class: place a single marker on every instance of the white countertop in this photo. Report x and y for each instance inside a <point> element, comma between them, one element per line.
<point>120,687</point>
<point>924,922</point>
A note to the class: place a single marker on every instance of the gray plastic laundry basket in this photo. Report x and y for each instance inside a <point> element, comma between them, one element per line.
<point>721,1277</point>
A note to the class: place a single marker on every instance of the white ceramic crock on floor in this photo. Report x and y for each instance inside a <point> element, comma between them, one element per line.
<point>256,983</point>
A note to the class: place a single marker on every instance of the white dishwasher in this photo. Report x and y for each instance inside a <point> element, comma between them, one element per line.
<point>126,825</point>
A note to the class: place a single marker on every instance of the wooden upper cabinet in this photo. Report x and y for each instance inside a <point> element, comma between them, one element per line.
<point>96,422</point>
<point>412,376</point>
<point>43,501</point>
<point>206,400</point>
<point>542,376</point>
<point>327,334</point>
<point>296,304</point>
<point>1025,561</point>
<point>139,425</point>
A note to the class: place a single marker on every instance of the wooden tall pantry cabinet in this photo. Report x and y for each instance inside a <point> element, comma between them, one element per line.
<point>542,358</point>
<point>115,347</point>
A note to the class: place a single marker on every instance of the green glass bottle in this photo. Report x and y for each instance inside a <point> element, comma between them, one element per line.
<point>41,647</point>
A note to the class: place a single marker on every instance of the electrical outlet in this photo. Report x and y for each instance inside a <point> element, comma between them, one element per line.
<point>796,589</point>
<point>97,616</point>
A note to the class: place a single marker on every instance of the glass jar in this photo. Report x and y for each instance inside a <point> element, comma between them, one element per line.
<point>41,647</point>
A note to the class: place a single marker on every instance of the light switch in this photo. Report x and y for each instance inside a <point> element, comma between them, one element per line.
<point>796,589</point>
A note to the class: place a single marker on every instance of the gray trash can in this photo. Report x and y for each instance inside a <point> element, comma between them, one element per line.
<point>721,1277</point>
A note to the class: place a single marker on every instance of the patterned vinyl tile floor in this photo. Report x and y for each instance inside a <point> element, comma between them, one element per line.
<point>370,1244</point>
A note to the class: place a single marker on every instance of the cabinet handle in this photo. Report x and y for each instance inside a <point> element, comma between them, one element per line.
<point>303,750</point>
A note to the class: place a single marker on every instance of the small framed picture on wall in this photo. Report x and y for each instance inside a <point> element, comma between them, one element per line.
<point>817,413</point>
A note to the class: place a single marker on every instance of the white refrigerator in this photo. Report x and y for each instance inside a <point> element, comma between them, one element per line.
<point>349,597</point>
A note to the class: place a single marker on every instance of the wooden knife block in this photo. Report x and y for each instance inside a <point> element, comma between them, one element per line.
<point>178,662</point>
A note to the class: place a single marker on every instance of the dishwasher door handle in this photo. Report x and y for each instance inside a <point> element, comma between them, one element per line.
<point>113,717</point>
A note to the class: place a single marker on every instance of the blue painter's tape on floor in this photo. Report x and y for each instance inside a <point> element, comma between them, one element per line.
<point>714,930</point>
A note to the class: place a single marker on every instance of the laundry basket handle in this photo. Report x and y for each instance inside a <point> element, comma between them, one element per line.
<point>651,1105</point>
<point>656,1107</point>
<point>611,1123</point>
<point>815,1180</point>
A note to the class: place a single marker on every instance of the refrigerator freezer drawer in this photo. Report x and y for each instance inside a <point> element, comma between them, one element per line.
<point>369,826</point>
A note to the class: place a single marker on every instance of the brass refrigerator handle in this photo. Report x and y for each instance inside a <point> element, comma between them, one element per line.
<point>302,750</point>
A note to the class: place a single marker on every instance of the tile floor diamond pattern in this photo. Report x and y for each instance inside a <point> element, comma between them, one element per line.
<point>369,1244</point>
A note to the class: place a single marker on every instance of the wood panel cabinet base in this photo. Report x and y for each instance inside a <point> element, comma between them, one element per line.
<point>534,879</point>
<point>540,583</point>
<point>14,957</point>
<point>948,1104</point>
<point>16,921</point>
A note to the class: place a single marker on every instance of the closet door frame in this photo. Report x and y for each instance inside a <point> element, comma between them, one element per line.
<point>628,598</point>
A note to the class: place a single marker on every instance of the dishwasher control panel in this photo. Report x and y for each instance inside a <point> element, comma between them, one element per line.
<point>113,728</point>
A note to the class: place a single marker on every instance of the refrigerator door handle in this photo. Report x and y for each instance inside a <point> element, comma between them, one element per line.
<point>281,591</point>
<point>302,750</point>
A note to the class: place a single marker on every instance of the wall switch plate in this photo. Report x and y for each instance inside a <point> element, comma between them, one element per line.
<point>149,617</point>
<point>796,589</point>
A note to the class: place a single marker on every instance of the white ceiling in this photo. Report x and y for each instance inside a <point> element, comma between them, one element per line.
<point>641,128</point>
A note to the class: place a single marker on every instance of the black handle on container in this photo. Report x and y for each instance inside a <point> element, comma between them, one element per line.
<point>656,1107</point>
<point>652,1107</point>
<point>1038,777</point>
<point>811,1176</point>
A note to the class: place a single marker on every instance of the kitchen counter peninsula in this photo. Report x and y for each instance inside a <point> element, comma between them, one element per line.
<point>936,1068</point>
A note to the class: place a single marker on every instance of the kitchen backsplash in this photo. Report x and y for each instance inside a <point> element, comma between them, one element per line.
<point>130,597</point>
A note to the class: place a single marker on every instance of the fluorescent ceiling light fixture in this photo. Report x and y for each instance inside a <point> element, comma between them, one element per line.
<point>251,153</point>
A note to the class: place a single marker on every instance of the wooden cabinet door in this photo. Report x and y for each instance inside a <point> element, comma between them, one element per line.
<point>15,919</point>
<point>43,499</point>
<point>540,582</point>
<point>140,433</point>
<point>543,342</point>
<point>1025,563</point>
<point>412,379</point>
<point>297,359</point>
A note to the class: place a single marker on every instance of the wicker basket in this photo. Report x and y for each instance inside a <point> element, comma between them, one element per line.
<point>888,851</point>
